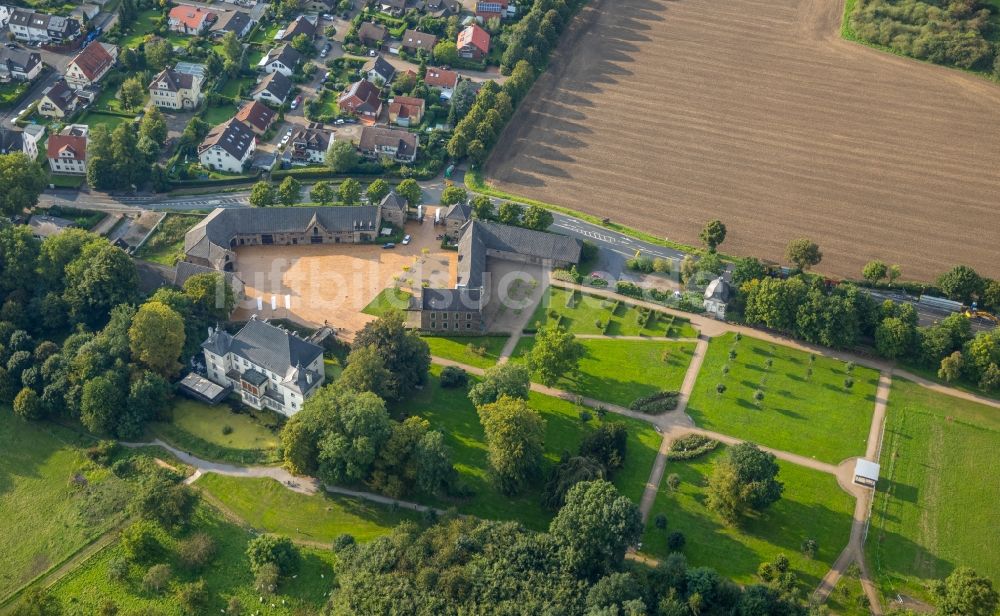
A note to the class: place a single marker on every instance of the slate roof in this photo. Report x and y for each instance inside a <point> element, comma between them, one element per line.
<point>313,137</point>
<point>277,84</point>
<point>271,348</point>
<point>718,290</point>
<point>459,211</point>
<point>451,300</point>
<point>393,200</point>
<point>231,21</point>
<point>284,54</point>
<point>19,60</point>
<point>210,238</point>
<point>369,31</point>
<point>233,136</point>
<point>257,115</point>
<point>11,141</point>
<point>479,236</point>
<point>61,95</point>
<point>415,39</point>
<point>300,25</point>
<point>381,67</point>
<point>175,80</point>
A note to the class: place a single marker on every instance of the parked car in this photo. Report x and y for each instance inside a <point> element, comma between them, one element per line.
<point>327,76</point>
<point>339,121</point>
<point>388,245</point>
<point>372,53</point>
<point>326,51</point>
<point>11,45</point>
<point>297,102</point>
<point>327,16</point>
<point>406,240</point>
<point>288,135</point>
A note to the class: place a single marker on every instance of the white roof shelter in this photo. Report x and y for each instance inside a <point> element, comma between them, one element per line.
<point>866,472</point>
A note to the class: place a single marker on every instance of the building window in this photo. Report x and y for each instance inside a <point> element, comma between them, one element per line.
<point>433,316</point>
<point>444,326</point>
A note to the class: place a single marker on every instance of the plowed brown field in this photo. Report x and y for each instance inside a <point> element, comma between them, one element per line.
<point>663,114</point>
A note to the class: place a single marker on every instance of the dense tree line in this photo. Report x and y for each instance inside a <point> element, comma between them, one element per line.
<point>536,34</point>
<point>124,157</point>
<point>956,32</point>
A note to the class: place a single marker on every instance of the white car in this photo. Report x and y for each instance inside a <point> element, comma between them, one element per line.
<point>372,53</point>
<point>288,135</point>
<point>327,16</point>
<point>406,240</point>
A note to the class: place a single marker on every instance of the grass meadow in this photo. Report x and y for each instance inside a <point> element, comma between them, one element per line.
<point>580,313</point>
<point>450,411</point>
<point>387,300</point>
<point>201,429</point>
<point>936,506</point>
<point>166,245</point>
<point>456,348</point>
<point>619,371</point>
<point>812,415</point>
<point>812,507</point>
<point>89,586</point>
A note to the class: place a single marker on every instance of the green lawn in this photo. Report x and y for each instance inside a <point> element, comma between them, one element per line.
<point>456,348</point>
<point>108,100</point>
<point>936,506</point>
<point>812,507</point>
<point>218,115</point>
<point>270,507</point>
<point>388,299</point>
<point>589,314</point>
<point>331,369</point>
<point>232,87</point>
<point>266,35</point>
<point>144,24</point>
<point>96,118</point>
<point>619,371</point>
<point>85,219</point>
<point>198,428</point>
<point>166,244</point>
<point>848,598</point>
<point>88,586</point>
<point>815,416</point>
<point>450,411</point>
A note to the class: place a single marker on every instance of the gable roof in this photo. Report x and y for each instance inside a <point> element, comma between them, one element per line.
<point>440,78</point>
<point>233,136</point>
<point>372,137</point>
<point>11,140</point>
<point>381,67</point>
<point>174,80</point>
<point>479,236</point>
<point>210,238</point>
<point>299,25</point>
<point>311,138</point>
<point>285,54</point>
<point>476,37</point>
<point>19,60</point>
<point>415,39</point>
<point>369,31</point>
<point>193,17</point>
<point>93,61</point>
<point>363,95</point>
<point>451,300</point>
<point>459,211</point>
<point>277,84</point>
<point>393,200</point>
<point>406,106</point>
<point>61,95</point>
<point>71,144</point>
<point>257,115</point>
<point>231,21</point>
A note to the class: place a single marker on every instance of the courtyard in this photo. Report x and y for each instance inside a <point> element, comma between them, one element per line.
<point>333,283</point>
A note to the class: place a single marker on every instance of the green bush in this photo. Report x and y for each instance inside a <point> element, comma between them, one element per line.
<point>691,446</point>
<point>659,402</point>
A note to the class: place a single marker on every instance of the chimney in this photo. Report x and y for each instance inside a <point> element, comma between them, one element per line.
<point>211,331</point>
<point>309,378</point>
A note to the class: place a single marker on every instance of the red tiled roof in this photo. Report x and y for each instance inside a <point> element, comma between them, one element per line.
<point>256,114</point>
<point>406,106</point>
<point>93,60</point>
<point>475,36</point>
<point>191,16</point>
<point>440,78</point>
<point>72,143</point>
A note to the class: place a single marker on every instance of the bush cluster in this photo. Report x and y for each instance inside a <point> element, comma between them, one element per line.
<point>660,402</point>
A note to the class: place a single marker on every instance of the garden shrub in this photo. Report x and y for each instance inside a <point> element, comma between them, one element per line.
<point>453,376</point>
<point>691,446</point>
<point>659,402</point>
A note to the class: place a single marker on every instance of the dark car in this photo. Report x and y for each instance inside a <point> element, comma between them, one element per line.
<point>388,245</point>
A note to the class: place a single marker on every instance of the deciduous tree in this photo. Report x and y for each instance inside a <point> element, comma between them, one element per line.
<point>349,191</point>
<point>514,442</point>
<point>507,379</point>
<point>22,180</point>
<point>803,253</point>
<point>323,193</point>
<point>157,337</point>
<point>713,234</point>
<point>289,191</point>
<point>555,353</point>
<point>262,194</point>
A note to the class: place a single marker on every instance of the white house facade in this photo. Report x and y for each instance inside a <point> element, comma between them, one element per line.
<point>267,366</point>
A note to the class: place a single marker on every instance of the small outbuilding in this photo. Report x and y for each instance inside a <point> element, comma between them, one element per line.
<point>717,296</point>
<point>866,473</point>
<point>198,387</point>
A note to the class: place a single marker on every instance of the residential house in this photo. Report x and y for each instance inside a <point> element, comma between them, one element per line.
<point>67,151</point>
<point>188,19</point>
<point>363,99</point>
<point>257,116</point>
<point>274,88</point>
<point>717,296</point>
<point>303,24</point>
<point>85,12</point>
<point>392,7</point>
<point>377,141</point>
<point>11,141</point>
<point>5,12</point>
<point>309,145</point>
<point>442,79</point>
<point>488,9</point>
<point>237,22</point>
<point>406,110</point>
<point>172,89</point>
<point>393,208</point>
<point>414,41</point>
<point>378,70</point>
<point>442,8</point>
<point>282,59</point>
<point>27,25</point>
<point>268,366</point>
<point>32,138</point>
<point>372,34</point>
<point>58,100</point>
<point>19,64</point>
<point>91,64</point>
<point>228,147</point>
<point>473,42</point>
<point>455,218</point>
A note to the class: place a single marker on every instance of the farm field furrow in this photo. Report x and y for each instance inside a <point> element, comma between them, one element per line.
<point>765,119</point>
